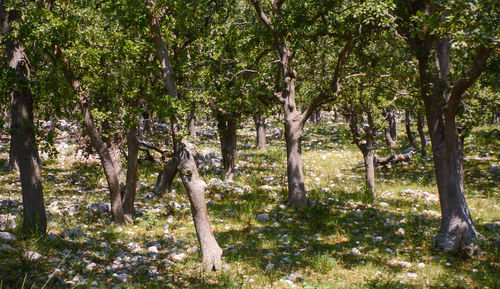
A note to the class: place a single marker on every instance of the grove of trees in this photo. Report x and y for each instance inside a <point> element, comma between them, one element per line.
<point>119,67</point>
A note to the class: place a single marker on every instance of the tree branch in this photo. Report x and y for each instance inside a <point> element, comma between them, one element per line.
<point>263,17</point>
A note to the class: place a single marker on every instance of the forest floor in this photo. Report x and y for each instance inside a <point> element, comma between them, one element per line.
<point>347,239</point>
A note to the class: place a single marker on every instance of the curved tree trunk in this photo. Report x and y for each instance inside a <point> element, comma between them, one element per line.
<point>196,187</point>
<point>391,118</point>
<point>260,128</point>
<point>227,134</point>
<point>296,189</point>
<point>166,177</point>
<point>23,142</point>
<point>107,164</point>
<point>131,183</point>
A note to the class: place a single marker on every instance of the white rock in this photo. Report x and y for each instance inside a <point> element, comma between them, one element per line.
<point>90,266</point>
<point>420,265</point>
<point>178,257</point>
<point>153,250</point>
<point>354,252</point>
<point>401,232</point>
<point>8,237</point>
<point>121,277</point>
<point>32,256</point>
<point>411,275</point>
<point>269,266</point>
<point>383,204</point>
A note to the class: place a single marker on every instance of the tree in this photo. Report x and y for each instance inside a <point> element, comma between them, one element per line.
<point>22,127</point>
<point>193,183</point>
<point>440,34</point>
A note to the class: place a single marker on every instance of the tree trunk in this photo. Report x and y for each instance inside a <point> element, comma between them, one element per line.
<point>296,189</point>
<point>227,134</point>
<point>13,163</point>
<point>388,137</point>
<point>131,183</point>
<point>260,128</point>
<point>107,164</point>
<point>409,133</point>
<point>391,118</point>
<point>23,141</point>
<point>457,232</point>
<point>317,116</point>
<point>192,124</point>
<point>196,187</point>
<point>421,134</point>
<point>166,177</point>
<point>369,170</point>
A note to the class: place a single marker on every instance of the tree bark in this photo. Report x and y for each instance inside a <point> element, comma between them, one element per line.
<point>296,189</point>
<point>421,134</point>
<point>369,170</point>
<point>260,128</point>
<point>166,177</point>
<point>98,144</point>
<point>131,182</point>
<point>196,187</point>
<point>13,163</point>
<point>409,133</point>
<point>227,126</point>
<point>391,119</point>
<point>23,130</point>
<point>442,101</point>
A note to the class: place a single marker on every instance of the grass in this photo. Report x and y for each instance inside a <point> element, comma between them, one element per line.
<point>308,248</point>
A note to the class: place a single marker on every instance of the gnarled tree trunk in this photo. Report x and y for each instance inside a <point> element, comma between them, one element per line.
<point>369,169</point>
<point>260,128</point>
<point>192,124</point>
<point>107,162</point>
<point>196,187</point>
<point>13,164</point>
<point>23,142</point>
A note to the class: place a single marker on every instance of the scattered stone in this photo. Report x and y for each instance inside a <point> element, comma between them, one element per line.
<point>417,194</point>
<point>383,204</point>
<point>72,233</point>
<point>7,237</point>
<point>269,267</point>
<point>354,252</point>
<point>262,218</point>
<point>494,227</point>
<point>401,263</point>
<point>153,250</point>
<point>100,207</point>
<point>32,256</point>
<point>121,277</point>
<point>420,265</point>
<point>178,257</point>
<point>90,266</point>
<point>390,251</point>
<point>6,248</point>
<point>400,232</point>
<point>411,275</point>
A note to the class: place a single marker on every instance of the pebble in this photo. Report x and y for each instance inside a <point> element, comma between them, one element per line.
<point>262,218</point>
<point>354,252</point>
<point>32,256</point>
<point>269,267</point>
<point>411,275</point>
<point>90,266</point>
<point>178,257</point>
<point>121,277</point>
<point>8,237</point>
<point>153,250</point>
<point>420,265</point>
